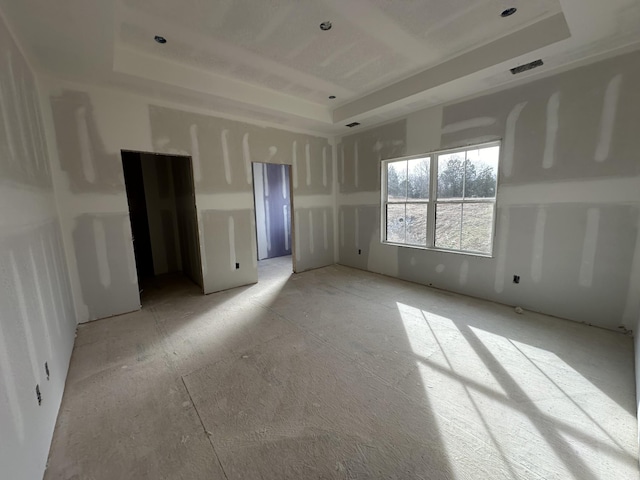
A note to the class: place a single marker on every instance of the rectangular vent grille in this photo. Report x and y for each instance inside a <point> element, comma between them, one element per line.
<point>354,124</point>
<point>526,67</point>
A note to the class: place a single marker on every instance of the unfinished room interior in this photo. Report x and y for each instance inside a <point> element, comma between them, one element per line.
<point>337,239</point>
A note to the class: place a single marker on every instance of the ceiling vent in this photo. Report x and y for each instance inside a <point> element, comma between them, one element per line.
<point>353,124</point>
<point>527,66</point>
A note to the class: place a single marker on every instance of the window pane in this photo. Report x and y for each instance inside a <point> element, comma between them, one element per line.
<point>448,220</point>
<point>416,223</point>
<point>477,227</point>
<point>451,175</point>
<point>396,223</point>
<point>481,173</point>
<point>418,179</point>
<point>397,181</point>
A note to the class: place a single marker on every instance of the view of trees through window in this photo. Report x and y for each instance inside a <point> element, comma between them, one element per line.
<point>463,210</point>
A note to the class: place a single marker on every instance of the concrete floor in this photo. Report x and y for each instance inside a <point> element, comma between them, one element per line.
<point>338,373</point>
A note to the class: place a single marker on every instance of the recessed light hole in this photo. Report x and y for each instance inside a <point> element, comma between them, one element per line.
<point>325,26</point>
<point>160,39</point>
<point>508,12</point>
<point>332,97</point>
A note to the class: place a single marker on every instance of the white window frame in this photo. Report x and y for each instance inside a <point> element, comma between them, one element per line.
<point>433,200</point>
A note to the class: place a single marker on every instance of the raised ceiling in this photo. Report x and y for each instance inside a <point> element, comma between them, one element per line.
<point>270,61</point>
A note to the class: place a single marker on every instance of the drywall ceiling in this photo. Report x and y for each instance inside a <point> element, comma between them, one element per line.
<point>270,60</point>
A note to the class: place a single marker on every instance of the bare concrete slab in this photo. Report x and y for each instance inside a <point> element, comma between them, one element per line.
<point>338,373</point>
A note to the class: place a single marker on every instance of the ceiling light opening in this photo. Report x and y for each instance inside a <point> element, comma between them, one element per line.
<point>160,39</point>
<point>508,12</point>
<point>324,26</point>
<point>332,97</point>
<point>353,124</point>
<point>526,67</point>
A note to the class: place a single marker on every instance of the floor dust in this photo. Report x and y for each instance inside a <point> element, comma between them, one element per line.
<point>339,373</point>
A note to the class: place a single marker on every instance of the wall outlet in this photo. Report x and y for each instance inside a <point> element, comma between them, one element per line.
<point>516,279</point>
<point>359,252</point>
<point>46,369</point>
<point>237,266</point>
<point>38,396</point>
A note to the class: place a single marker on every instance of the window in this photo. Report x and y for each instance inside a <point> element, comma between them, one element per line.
<point>442,200</point>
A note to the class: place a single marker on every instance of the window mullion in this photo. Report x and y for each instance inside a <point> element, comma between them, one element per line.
<point>431,207</point>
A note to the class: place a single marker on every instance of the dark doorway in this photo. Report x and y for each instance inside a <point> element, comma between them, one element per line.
<point>162,209</point>
<point>272,196</point>
<point>132,167</point>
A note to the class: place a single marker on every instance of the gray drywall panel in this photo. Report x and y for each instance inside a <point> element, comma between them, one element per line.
<point>314,237</point>
<point>576,125</point>
<point>361,230</point>
<point>568,198</point>
<point>223,151</point>
<point>37,321</point>
<point>82,154</point>
<point>108,279</point>
<point>358,155</point>
<point>234,234</point>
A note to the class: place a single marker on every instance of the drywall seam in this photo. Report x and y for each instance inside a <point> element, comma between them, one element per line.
<point>501,264</point>
<point>510,138</point>
<point>553,112</point>
<point>307,155</point>
<point>589,247</point>
<point>538,245</point>
<point>468,125</point>
<point>246,155</point>
<point>607,121</point>
<point>359,198</point>
<point>61,200</point>
<point>24,318</point>
<point>195,152</point>
<point>312,201</point>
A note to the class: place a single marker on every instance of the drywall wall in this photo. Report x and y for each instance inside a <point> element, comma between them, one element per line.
<point>273,209</point>
<point>159,193</point>
<point>93,125</point>
<point>636,349</point>
<point>37,321</point>
<point>568,198</point>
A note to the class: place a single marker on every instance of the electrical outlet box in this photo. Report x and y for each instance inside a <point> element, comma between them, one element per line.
<point>516,279</point>
<point>237,265</point>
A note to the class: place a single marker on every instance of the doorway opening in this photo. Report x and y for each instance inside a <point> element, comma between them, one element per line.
<point>164,220</point>
<point>274,218</point>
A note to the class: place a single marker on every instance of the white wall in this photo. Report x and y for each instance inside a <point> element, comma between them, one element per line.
<point>37,322</point>
<point>568,198</point>
<point>93,125</point>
